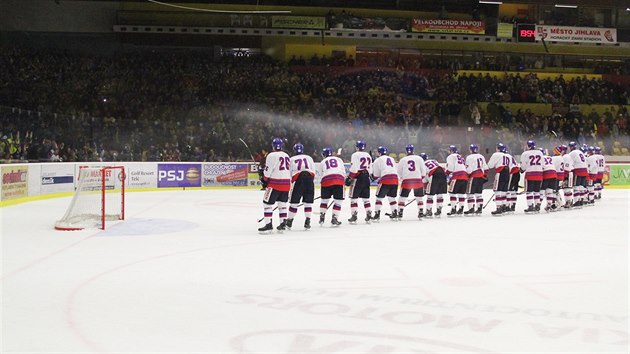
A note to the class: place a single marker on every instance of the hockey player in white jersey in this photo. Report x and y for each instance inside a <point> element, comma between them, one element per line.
<point>580,174</point>
<point>435,185</point>
<point>384,170</point>
<point>500,161</point>
<point>567,186</point>
<point>332,171</point>
<point>412,171</point>
<point>477,170</point>
<point>277,183</point>
<point>302,185</point>
<point>359,182</point>
<point>558,163</point>
<point>515,178</point>
<point>593,167</point>
<point>550,183</point>
<point>532,164</point>
<point>456,170</point>
<point>601,169</point>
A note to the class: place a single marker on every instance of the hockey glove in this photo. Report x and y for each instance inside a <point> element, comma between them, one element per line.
<point>348,181</point>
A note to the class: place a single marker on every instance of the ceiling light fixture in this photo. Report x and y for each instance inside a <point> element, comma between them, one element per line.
<point>491,2</point>
<point>566,6</point>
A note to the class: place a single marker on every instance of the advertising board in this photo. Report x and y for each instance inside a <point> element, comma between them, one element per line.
<point>57,178</point>
<point>178,175</point>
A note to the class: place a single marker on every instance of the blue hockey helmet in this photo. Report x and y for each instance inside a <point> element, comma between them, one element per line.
<point>424,156</point>
<point>591,149</point>
<point>298,148</point>
<point>277,144</point>
<point>563,148</point>
<point>382,150</point>
<point>584,148</point>
<point>409,149</point>
<point>327,151</point>
<point>558,150</point>
<point>474,148</point>
<point>361,145</point>
<point>501,147</point>
<point>572,145</point>
<point>452,149</point>
<point>531,144</point>
<point>597,150</point>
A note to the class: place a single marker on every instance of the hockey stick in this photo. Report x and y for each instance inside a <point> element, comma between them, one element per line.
<point>248,150</point>
<point>274,209</point>
<point>489,200</point>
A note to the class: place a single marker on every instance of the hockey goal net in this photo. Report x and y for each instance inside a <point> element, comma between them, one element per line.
<point>99,197</point>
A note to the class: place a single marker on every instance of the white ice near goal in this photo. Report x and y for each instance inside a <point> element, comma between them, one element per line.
<point>99,197</point>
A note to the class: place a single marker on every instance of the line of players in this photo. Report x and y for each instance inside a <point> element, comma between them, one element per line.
<point>291,179</point>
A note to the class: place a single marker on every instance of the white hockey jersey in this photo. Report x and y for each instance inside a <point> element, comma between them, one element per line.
<point>277,171</point>
<point>332,171</point>
<point>532,163</point>
<point>601,166</point>
<point>456,167</point>
<point>549,169</point>
<point>301,163</point>
<point>476,166</point>
<point>593,166</point>
<point>384,169</point>
<point>568,164</point>
<point>579,163</point>
<point>558,164</point>
<point>499,161</point>
<point>360,161</point>
<point>412,171</point>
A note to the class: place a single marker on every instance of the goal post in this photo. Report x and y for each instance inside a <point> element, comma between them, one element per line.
<point>99,197</point>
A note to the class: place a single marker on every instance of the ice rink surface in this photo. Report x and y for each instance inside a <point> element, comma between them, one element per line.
<point>187,272</point>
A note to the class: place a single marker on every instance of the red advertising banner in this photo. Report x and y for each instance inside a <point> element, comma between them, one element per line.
<point>448,26</point>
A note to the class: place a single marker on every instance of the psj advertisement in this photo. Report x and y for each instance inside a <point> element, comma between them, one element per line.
<point>179,175</point>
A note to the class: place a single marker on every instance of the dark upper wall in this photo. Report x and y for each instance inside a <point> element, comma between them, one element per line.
<point>57,16</point>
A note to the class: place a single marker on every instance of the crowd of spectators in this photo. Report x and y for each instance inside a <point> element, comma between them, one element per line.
<point>171,106</point>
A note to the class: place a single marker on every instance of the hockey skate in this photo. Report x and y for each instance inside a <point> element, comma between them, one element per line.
<point>421,213</point>
<point>282,226</point>
<point>334,221</point>
<point>400,213</point>
<point>497,212</point>
<point>376,217</point>
<point>429,213</point>
<point>267,229</point>
<point>368,217</point>
<point>438,211</point>
<point>289,224</point>
<point>353,218</point>
<point>460,211</point>
<point>468,212</point>
<point>479,210</point>
<point>394,215</point>
<point>307,223</point>
<point>452,212</point>
<point>530,209</point>
<point>322,218</point>
<point>537,207</point>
